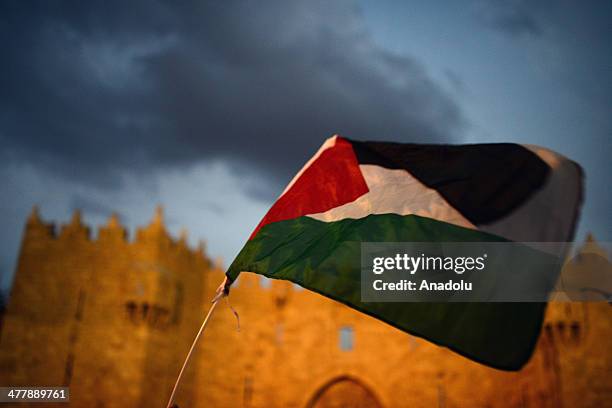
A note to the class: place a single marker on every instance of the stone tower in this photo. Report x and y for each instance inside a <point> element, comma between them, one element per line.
<point>110,318</point>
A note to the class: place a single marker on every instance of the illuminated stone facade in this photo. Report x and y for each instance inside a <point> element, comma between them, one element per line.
<point>114,318</point>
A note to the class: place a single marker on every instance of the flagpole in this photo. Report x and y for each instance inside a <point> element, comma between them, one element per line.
<point>221,292</point>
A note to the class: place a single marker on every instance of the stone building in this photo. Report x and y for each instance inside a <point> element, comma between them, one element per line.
<point>114,318</point>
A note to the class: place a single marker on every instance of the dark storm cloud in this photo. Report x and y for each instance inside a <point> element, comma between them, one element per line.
<point>93,89</point>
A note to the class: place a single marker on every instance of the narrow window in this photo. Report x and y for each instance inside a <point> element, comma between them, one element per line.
<point>80,303</point>
<point>561,329</point>
<point>131,310</point>
<point>575,330</point>
<point>68,369</point>
<point>145,311</point>
<point>346,338</point>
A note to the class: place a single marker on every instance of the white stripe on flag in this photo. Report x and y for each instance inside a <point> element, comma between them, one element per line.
<point>395,192</point>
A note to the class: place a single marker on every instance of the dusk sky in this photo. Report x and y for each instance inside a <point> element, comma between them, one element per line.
<point>210,108</point>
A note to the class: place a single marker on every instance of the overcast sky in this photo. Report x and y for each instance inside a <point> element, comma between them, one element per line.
<point>210,108</point>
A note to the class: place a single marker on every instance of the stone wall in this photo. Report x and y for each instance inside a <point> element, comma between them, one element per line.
<point>114,318</point>
<point>110,318</point>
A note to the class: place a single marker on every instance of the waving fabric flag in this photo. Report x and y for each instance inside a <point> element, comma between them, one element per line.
<point>351,192</point>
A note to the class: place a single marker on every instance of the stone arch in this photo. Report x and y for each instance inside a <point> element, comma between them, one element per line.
<point>344,392</point>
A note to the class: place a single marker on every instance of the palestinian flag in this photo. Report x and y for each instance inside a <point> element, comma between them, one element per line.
<point>351,192</point>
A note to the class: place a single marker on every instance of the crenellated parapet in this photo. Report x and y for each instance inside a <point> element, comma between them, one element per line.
<point>37,228</point>
<point>75,229</point>
<point>568,323</point>
<point>153,235</point>
<point>113,231</point>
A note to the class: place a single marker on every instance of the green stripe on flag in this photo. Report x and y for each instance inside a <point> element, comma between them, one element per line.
<point>325,257</point>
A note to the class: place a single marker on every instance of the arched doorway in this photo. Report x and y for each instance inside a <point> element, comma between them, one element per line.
<point>344,392</point>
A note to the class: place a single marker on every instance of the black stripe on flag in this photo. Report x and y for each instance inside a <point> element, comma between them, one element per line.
<point>485,182</point>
